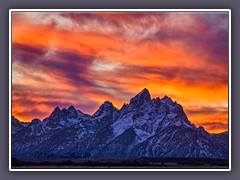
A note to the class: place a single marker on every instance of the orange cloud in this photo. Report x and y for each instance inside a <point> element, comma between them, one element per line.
<point>59,59</point>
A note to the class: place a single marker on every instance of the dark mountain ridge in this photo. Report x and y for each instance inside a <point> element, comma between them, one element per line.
<point>154,128</point>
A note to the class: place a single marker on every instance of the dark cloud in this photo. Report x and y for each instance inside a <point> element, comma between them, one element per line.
<point>117,18</point>
<point>30,113</point>
<point>214,125</point>
<point>67,65</point>
<point>19,48</point>
<point>26,55</point>
<point>85,17</point>
<point>25,102</point>
<point>207,110</point>
<point>215,46</point>
<point>30,91</point>
<point>28,102</point>
<point>25,98</point>
<point>88,106</point>
<point>210,39</point>
<point>72,70</point>
<point>183,74</point>
<point>216,20</point>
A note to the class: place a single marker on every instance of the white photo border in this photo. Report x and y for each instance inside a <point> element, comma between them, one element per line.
<point>119,10</point>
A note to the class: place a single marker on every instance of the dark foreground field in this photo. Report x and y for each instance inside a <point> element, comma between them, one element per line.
<point>152,163</point>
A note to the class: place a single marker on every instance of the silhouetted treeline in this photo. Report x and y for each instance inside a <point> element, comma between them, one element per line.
<point>140,162</point>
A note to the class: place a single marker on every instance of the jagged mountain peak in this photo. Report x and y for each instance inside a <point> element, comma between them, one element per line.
<point>107,107</point>
<point>145,90</point>
<point>144,94</point>
<point>55,111</point>
<point>71,108</point>
<point>36,121</point>
<point>167,100</point>
<point>140,98</point>
<point>107,104</point>
<point>201,128</point>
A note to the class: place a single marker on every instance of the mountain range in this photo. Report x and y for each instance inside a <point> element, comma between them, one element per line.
<point>146,127</point>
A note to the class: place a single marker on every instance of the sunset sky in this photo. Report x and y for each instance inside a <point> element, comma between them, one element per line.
<point>85,58</point>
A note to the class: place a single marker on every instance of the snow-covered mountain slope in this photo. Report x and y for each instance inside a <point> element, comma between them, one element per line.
<point>143,128</point>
